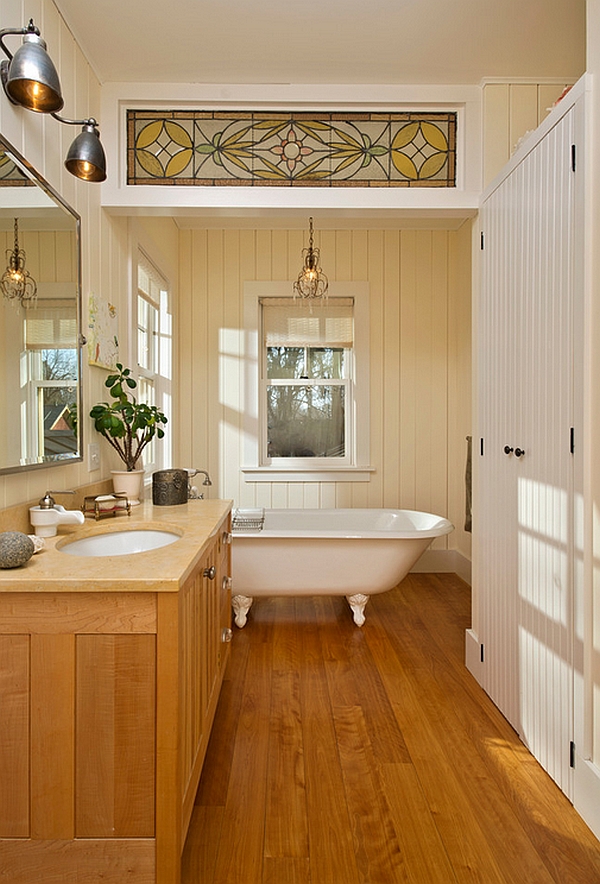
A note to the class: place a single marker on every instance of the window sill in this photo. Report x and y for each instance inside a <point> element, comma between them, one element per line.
<point>301,474</point>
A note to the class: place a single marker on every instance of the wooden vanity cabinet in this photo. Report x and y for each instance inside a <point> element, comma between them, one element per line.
<point>106,705</point>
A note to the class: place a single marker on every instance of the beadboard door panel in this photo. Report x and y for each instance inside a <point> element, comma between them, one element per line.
<point>525,460</point>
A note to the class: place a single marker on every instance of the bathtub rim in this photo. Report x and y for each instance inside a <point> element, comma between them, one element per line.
<point>441,527</point>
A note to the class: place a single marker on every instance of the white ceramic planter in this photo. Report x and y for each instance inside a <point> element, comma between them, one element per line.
<point>128,482</point>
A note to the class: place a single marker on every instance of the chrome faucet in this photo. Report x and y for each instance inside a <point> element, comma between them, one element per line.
<point>193,493</point>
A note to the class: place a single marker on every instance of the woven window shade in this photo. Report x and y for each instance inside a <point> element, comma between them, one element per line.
<point>51,328</point>
<point>150,281</point>
<point>288,322</point>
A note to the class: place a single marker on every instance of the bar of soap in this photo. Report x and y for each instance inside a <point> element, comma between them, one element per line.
<point>15,549</point>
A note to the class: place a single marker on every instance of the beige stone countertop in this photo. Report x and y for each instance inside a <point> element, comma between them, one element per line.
<point>159,570</point>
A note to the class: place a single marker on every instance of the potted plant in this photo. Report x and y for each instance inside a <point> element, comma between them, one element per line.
<point>128,426</point>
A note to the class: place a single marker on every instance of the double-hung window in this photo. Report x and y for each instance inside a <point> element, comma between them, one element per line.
<point>52,367</point>
<point>154,347</point>
<point>306,384</point>
<point>307,381</point>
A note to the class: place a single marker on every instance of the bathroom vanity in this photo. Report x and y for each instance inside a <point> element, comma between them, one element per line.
<point>110,672</point>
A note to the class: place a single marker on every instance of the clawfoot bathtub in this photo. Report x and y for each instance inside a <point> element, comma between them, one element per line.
<point>355,553</point>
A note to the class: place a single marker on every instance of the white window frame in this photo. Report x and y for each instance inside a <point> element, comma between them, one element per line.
<point>157,377</point>
<point>357,469</point>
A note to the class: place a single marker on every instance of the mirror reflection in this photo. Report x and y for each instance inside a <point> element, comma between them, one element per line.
<point>40,316</point>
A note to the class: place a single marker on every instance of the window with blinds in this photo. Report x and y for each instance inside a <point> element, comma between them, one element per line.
<point>52,359</point>
<point>307,369</point>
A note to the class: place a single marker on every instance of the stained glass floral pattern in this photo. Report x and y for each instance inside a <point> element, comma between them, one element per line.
<point>291,149</point>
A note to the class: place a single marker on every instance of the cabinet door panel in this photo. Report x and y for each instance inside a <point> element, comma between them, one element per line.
<point>115,736</point>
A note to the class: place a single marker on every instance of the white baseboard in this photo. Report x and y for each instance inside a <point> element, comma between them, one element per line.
<point>444,561</point>
<point>586,793</point>
<point>473,660</point>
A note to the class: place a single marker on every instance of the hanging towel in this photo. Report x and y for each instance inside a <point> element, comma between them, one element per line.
<point>468,486</point>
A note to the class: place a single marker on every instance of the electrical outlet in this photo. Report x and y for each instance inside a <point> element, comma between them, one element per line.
<point>93,457</point>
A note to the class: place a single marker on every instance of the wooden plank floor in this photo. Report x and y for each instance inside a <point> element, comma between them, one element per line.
<point>371,756</point>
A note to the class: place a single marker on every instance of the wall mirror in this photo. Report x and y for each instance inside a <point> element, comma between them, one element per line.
<point>40,320</point>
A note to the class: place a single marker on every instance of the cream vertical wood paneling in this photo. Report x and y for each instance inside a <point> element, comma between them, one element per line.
<point>438,429</point>
<point>411,296</point>
<point>228,337</point>
<point>376,253</point>
<point>496,140</point>
<point>459,382</point>
<point>391,385</point>
<point>510,110</point>
<point>408,382</point>
<point>523,111</point>
<point>186,344</point>
<point>359,491</point>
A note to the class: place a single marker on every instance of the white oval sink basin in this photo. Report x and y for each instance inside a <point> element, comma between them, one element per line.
<point>120,543</point>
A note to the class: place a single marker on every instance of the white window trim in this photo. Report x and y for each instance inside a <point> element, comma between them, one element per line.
<point>359,470</point>
<point>161,384</point>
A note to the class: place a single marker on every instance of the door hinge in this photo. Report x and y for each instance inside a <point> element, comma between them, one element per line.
<point>571,754</point>
<point>482,240</point>
<point>481,653</point>
<point>572,440</point>
<point>573,158</point>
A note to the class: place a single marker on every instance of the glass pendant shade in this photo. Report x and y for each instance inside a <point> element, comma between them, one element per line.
<point>85,158</point>
<point>31,79</point>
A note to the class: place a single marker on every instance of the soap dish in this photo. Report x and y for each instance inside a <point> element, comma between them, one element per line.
<point>106,505</point>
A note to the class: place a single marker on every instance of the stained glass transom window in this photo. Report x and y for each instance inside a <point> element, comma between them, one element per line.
<point>291,149</point>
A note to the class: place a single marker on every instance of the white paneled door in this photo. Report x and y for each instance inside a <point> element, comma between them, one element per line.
<point>525,445</point>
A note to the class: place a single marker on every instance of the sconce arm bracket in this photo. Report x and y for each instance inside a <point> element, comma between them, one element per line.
<point>30,29</point>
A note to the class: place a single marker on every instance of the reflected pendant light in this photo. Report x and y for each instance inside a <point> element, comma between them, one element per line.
<point>312,282</point>
<point>17,284</point>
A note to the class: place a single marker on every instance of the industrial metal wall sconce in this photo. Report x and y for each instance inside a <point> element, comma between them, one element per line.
<point>30,80</point>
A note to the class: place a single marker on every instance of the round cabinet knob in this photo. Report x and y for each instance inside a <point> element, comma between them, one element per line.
<point>519,452</point>
<point>508,449</point>
<point>225,583</point>
<point>210,572</point>
<point>226,634</point>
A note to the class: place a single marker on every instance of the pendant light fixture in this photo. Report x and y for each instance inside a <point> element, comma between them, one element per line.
<point>17,284</point>
<point>312,283</point>
<point>30,80</point>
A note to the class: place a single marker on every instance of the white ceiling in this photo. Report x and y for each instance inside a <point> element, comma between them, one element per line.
<point>328,41</point>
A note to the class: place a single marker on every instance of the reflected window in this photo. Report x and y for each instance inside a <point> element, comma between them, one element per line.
<point>49,427</point>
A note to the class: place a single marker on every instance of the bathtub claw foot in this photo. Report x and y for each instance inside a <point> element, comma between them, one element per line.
<point>357,603</point>
<point>241,604</point>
